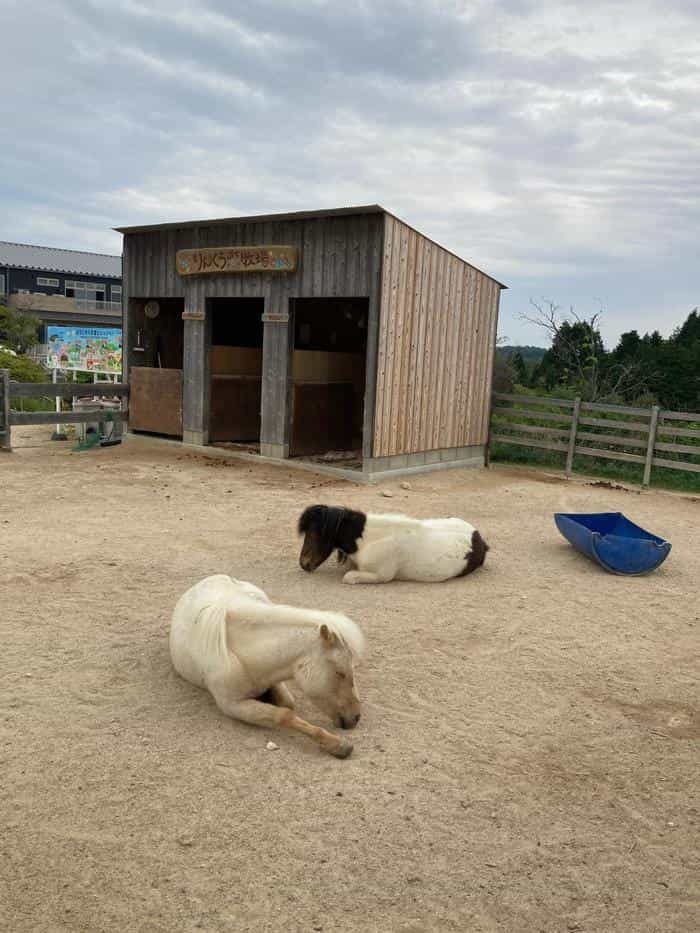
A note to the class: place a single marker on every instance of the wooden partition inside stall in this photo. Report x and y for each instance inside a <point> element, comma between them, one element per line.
<point>327,396</point>
<point>235,394</point>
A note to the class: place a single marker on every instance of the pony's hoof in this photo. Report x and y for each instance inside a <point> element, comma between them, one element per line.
<point>342,750</point>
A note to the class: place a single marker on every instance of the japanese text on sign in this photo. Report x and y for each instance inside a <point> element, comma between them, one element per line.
<point>226,259</point>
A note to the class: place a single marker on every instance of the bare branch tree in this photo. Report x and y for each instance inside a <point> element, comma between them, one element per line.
<point>578,349</point>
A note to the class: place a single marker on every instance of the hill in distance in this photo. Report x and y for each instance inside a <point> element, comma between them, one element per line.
<point>531,355</point>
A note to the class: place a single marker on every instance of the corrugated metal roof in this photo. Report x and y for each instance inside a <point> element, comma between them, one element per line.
<point>47,259</point>
<point>257,218</point>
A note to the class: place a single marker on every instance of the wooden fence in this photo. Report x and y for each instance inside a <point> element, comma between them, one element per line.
<point>10,418</point>
<point>590,429</point>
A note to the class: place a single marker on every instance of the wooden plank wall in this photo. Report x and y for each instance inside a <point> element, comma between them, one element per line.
<point>437,332</point>
<point>338,256</point>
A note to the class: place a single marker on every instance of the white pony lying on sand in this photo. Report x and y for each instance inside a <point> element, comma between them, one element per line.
<point>390,547</point>
<point>228,637</point>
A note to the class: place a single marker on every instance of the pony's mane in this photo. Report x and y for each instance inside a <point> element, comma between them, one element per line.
<point>336,527</point>
<point>348,632</point>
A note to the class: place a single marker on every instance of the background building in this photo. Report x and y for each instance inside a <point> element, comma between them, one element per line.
<point>62,286</point>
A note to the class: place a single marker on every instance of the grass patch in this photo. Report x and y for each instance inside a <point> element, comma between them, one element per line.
<point>591,466</point>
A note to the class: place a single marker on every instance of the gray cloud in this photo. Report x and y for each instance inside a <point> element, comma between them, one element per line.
<point>556,149</point>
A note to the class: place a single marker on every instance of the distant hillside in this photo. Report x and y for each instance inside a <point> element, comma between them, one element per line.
<point>531,355</point>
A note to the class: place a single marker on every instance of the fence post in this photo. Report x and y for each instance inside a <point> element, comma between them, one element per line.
<point>5,430</point>
<point>572,436</point>
<point>651,443</point>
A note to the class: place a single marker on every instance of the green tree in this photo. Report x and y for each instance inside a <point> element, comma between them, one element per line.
<point>628,346</point>
<point>18,330</point>
<point>671,367</point>
<point>503,372</point>
<point>22,369</point>
<point>576,354</point>
<point>577,358</point>
<point>519,368</point>
<point>689,332</point>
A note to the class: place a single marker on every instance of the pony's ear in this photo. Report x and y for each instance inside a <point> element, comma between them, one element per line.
<point>308,518</point>
<point>327,637</point>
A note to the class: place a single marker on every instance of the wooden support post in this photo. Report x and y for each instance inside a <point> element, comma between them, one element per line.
<point>58,432</point>
<point>5,430</point>
<point>487,449</point>
<point>651,443</point>
<point>275,403</point>
<point>195,374</point>
<point>572,436</point>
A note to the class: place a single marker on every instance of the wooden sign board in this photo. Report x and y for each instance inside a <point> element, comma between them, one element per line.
<point>224,260</point>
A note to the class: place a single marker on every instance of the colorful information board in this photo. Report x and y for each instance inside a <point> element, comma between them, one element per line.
<point>89,349</point>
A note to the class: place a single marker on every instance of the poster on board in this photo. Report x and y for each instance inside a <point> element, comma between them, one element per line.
<point>86,349</point>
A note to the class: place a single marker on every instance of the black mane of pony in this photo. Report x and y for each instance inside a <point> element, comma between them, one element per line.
<point>336,528</point>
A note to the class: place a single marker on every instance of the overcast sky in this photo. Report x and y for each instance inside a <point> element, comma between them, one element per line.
<point>555,145</point>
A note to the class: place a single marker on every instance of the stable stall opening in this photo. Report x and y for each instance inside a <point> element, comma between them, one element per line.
<point>236,370</point>
<point>155,352</point>
<point>328,379</point>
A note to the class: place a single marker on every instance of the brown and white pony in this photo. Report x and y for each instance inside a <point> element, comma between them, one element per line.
<point>390,547</point>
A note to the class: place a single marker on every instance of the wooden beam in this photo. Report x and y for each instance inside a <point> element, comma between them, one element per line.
<point>677,432</point>
<point>609,454</point>
<point>534,400</point>
<point>526,413</point>
<point>693,449</point>
<point>528,442</point>
<point>625,425</point>
<point>64,417</point>
<point>651,440</point>
<point>5,423</point>
<point>572,436</point>
<point>533,429</point>
<point>619,409</point>
<point>613,439</point>
<point>195,370</point>
<point>676,465</point>
<point>276,403</point>
<point>68,390</point>
<point>680,416</point>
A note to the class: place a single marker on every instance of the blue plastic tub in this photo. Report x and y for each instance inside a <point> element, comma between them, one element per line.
<point>613,541</point>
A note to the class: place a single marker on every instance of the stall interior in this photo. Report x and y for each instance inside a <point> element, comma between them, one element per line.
<point>328,377</point>
<point>236,369</point>
<point>155,352</point>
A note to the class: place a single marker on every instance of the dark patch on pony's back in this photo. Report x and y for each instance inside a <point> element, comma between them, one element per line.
<point>476,556</point>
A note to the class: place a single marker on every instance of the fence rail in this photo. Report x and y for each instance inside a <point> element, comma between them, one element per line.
<point>524,421</point>
<point>55,390</point>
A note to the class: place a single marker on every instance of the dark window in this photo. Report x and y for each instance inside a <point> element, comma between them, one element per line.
<point>330,324</point>
<point>237,322</point>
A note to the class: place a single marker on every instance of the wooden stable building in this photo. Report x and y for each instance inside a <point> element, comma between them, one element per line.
<point>343,333</point>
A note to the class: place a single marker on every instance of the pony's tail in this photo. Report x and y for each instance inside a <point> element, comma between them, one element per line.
<point>477,555</point>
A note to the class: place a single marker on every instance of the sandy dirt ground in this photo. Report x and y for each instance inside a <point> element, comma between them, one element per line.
<point>527,758</point>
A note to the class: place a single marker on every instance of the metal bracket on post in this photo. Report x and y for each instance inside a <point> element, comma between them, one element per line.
<point>572,436</point>
<point>651,443</point>
<point>5,429</point>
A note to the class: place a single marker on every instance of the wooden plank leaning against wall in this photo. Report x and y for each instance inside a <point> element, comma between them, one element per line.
<point>433,382</point>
